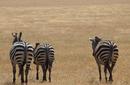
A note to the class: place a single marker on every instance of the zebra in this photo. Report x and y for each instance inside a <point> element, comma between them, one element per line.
<point>105,53</point>
<point>43,56</point>
<point>21,54</point>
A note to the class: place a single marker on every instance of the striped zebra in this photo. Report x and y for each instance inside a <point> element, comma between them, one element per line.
<point>21,54</point>
<point>105,53</point>
<point>43,56</point>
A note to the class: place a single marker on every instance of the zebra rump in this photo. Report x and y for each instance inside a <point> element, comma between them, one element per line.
<point>106,51</point>
<point>21,54</point>
<point>44,54</point>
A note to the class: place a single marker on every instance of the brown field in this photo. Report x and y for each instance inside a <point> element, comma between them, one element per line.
<point>68,29</point>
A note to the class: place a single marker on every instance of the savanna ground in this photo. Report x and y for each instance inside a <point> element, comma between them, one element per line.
<point>68,29</point>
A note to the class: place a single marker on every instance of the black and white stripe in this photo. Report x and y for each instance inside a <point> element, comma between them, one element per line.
<point>44,56</point>
<point>105,53</point>
<point>21,54</point>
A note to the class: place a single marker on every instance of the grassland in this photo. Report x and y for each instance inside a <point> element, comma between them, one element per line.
<point>68,29</point>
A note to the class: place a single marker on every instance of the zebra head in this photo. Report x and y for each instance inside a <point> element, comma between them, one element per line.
<point>95,41</point>
<point>16,38</point>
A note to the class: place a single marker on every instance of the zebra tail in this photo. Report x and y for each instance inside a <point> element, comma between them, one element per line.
<point>47,63</point>
<point>111,51</point>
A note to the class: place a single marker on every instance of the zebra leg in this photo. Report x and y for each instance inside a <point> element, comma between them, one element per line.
<point>99,68</point>
<point>21,73</point>
<point>49,73</point>
<point>110,71</point>
<point>14,74</point>
<point>44,72</point>
<point>37,75</point>
<point>26,75</point>
<point>112,66</point>
<point>105,71</point>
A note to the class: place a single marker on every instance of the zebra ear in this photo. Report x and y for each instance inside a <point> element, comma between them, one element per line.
<point>20,34</point>
<point>37,44</point>
<point>97,39</point>
<point>90,39</point>
<point>14,34</point>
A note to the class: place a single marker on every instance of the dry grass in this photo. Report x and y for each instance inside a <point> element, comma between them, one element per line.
<point>68,29</point>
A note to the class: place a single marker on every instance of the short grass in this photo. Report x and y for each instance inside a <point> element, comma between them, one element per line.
<point>68,29</point>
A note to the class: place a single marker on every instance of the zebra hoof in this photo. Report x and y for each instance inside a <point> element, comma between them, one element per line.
<point>110,80</point>
<point>22,83</point>
<point>44,80</point>
<point>13,83</point>
<point>49,81</point>
<point>100,79</point>
<point>106,80</point>
<point>37,78</point>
